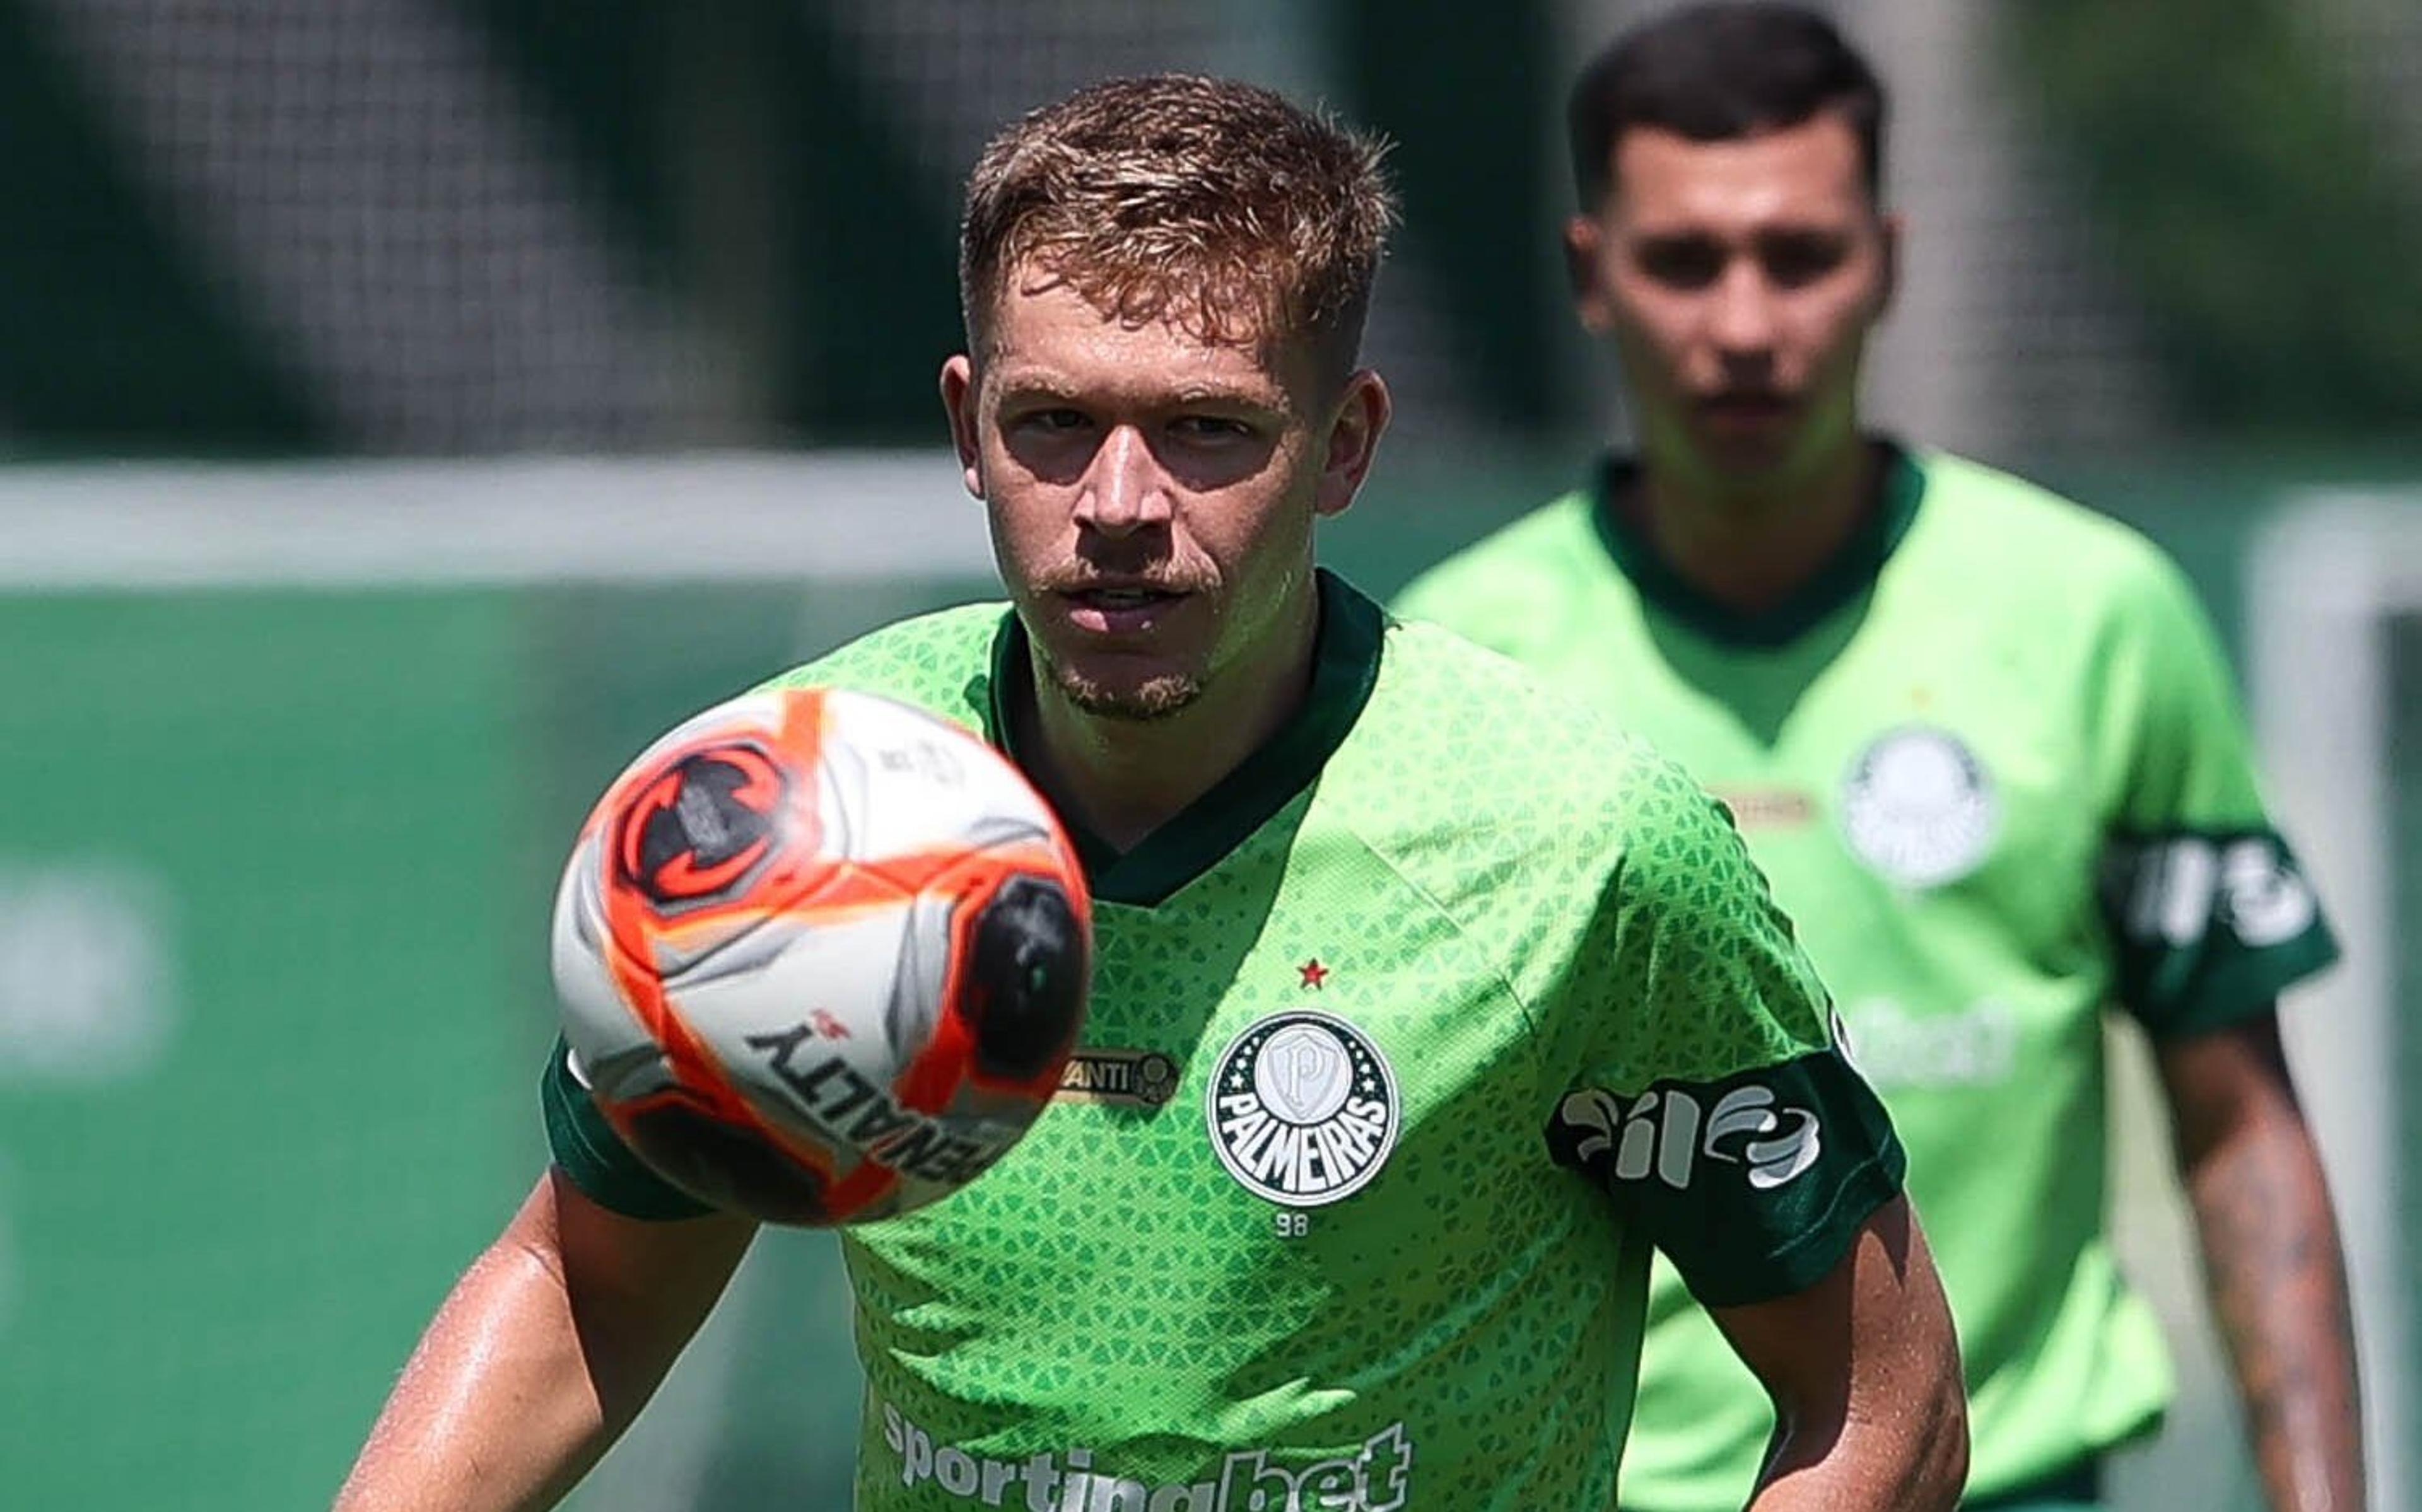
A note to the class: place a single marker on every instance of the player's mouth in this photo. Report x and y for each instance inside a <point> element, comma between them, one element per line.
<point>1120,610</point>
<point>1746,410</point>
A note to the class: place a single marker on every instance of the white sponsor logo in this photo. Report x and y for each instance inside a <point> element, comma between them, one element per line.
<point>2248,885</point>
<point>1918,808</point>
<point>1974,1046</point>
<point>1376,1477</point>
<point>1303,1108</point>
<point>1666,1133</point>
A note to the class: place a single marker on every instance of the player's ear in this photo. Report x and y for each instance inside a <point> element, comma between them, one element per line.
<point>1888,291</point>
<point>1584,271</point>
<point>959,390</point>
<point>1352,441</point>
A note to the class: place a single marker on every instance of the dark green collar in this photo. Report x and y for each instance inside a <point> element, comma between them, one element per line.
<point>1346,665</point>
<point>1851,572</point>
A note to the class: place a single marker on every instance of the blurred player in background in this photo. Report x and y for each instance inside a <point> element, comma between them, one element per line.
<point>1381,910</point>
<point>1984,744</point>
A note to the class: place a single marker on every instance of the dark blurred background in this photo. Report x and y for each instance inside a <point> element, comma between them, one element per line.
<point>408,406</point>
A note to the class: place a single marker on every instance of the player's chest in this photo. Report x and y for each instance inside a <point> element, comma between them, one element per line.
<point>1335,1096</point>
<point>1947,772</point>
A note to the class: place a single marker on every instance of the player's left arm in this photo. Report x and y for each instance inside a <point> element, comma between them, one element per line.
<point>2211,918</point>
<point>1720,1116</point>
<point>1863,1369</point>
<point>2271,1260</point>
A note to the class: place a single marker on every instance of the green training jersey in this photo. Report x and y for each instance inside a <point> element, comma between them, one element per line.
<point>1993,764</point>
<point>1405,1042</point>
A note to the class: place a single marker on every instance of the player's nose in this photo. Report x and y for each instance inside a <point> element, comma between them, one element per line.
<point>1742,319</point>
<point>1124,489</point>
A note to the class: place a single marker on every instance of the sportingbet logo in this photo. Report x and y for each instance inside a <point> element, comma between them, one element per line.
<point>1379,1478</point>
<point>1666,1133</point>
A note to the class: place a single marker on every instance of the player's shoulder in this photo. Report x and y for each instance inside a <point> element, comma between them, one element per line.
<point>1497,744</point>
<point>1508,569</point>
<point>939,661</point>
<point>2024,533</point>
<point>1537,539</point>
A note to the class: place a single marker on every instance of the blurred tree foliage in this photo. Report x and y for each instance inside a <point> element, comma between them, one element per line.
<point>2245,198</point>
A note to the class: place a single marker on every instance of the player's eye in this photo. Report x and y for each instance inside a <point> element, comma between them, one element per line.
<point>1679,261</point>
<point>1795,260</point>
<point>1054,420</point>
<point>1209,428</point>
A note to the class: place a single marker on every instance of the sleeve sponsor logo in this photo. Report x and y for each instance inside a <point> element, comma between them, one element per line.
<point>2173,892</point>
<point>1666,1132</point>
<point>1918,808</point>
<point>1375,1478</point>
<point>1303,1108</point>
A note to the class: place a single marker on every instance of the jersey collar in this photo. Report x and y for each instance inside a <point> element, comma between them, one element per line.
<point>1345,666</point>
<point>1851,573</point>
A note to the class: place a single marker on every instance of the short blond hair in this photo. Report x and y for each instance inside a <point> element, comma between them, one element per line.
<point>1217,206</point>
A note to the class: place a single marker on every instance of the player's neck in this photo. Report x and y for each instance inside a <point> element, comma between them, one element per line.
<point>1749,549</point>
<point>1121,779</point>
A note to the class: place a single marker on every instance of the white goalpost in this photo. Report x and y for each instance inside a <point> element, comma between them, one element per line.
<point>828,515</point>
<point>2327,580</point>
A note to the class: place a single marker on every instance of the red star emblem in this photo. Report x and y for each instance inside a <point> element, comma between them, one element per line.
<point>1312,973</point>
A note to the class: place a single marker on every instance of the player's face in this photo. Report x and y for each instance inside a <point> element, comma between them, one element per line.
<point>1150,494</point>
<point>1738,281</point>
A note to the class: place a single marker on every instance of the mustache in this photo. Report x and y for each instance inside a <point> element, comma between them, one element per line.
<point>1154,580</point>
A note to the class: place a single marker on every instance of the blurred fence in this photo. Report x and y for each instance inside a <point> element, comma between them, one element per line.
<point>435,226</point>
<point>285,773</point>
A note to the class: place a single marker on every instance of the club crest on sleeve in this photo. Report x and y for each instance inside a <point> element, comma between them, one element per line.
<point>1918,808</point>
<point>1303,1108</point>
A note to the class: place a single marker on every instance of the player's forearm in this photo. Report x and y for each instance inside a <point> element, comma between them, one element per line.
<point>547,1348</point>
<point>1863,1369</point>
<point>1914,1459</point>
<point>498,1410</point>
<point>2278,1289</point>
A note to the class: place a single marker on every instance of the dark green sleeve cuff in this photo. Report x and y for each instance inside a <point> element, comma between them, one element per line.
<point>1754,1185</point>
<point>593,1157</point>
<point>2250,987</point>
<point>2209,926</point>
<point>1798,1264</point>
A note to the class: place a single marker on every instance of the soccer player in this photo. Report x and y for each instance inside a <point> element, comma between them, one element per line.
<point>1368,891</point>
<point>1982,742</point>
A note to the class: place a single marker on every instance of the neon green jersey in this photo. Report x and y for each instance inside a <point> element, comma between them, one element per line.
<point>1993,763</point>
<point>1404,1044</point>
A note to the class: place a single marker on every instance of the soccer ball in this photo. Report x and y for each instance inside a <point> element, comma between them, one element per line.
<point>821,957</point>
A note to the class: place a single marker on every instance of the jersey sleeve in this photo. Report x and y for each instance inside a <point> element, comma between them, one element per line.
<point>1711,1098</point>
<point>593,1157</point>
<point>2210,914</point>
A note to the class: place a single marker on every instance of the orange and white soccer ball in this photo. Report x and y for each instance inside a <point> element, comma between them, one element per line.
<point>821,957</point>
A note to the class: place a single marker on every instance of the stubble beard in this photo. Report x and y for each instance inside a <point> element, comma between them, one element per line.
<point>1151,700</point>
